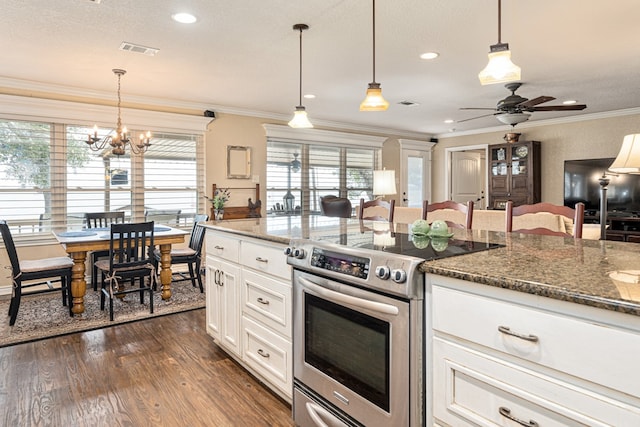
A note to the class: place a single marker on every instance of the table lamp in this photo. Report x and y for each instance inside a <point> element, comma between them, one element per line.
<point>628,161</point>
<point>384,182</point>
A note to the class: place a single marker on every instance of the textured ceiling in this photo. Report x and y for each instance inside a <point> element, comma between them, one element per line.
<point>243,55</point>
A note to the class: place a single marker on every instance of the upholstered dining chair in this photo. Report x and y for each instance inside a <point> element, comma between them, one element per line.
<point>58,268</point>
<point>566,213</point>
<point>335,206</point>
<point>380,210</point>
<point>465,209</point>
<point>191,255</point>
<point>130,258</point>
<point>100,220</point>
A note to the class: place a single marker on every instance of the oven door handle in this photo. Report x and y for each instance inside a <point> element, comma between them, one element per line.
<point>375,306</point>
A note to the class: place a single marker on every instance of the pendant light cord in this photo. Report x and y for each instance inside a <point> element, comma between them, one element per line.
<point>374,41</point>
<point>499,21</point>
<point>300,98</point>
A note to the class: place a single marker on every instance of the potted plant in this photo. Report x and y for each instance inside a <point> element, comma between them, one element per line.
<point>220,197</point>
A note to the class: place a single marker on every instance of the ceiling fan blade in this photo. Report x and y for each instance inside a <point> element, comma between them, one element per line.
<point>473,118</point>
<point>559,107</point>
<point>536,101</point>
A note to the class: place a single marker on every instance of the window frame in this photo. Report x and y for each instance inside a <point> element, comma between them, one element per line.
<point>59,114</point>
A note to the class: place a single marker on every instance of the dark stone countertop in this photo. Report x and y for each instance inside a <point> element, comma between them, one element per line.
<point>602,274</point>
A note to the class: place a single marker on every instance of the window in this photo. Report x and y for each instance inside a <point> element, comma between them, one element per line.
<point>49,178</point>
<point>300,172</point>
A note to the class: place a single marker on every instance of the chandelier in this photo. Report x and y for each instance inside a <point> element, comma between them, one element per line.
<point>120,137</point>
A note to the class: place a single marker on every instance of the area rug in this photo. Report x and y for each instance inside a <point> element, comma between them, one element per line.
<point>44,316</point>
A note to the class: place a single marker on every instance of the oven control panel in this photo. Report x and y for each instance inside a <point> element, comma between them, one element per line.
<point>341,263</point>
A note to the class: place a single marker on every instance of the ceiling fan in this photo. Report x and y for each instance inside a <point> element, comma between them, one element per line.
<point>514,108</point>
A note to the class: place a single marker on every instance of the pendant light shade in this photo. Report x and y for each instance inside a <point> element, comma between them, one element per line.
<point>300,119</point>
<point>374,101</point>
<point>500,69</point>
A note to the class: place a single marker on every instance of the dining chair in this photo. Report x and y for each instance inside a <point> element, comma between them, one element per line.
<point>130,258</point>
<point>379,207</point>
<point>543,227</point>
<point>163,216</point>
<point>465,209</point>
<point>58,268</point>
<point>191,255</point>
<point>100,220</point>
<point>335,206</point>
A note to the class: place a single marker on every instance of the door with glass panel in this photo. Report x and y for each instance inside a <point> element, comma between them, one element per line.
<point>415,181</point>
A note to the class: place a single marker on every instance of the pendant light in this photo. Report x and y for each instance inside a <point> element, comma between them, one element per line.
<point>300,119</point>
<point>500,69</point>
<point>374,101</point>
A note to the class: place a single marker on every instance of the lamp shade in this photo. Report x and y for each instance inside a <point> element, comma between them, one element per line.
<point>500,69</point>
<point>384,182</point>
<point>300,119</point>
<point>628,160</point>
<point>373,101</point>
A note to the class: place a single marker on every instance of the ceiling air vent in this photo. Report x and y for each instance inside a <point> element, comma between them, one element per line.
<point>408,103</point>
<point>132,47</point>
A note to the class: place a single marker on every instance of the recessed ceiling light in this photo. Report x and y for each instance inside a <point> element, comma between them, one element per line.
<point>569,102</point>
<point>449,121</point>
<point>309,96</point>
<point>184,18</point>
<point>429,55</point>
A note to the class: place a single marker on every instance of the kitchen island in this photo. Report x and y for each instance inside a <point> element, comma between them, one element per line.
<point>542,329</point>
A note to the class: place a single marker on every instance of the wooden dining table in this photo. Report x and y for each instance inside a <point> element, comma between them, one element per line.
<point>78,242</point>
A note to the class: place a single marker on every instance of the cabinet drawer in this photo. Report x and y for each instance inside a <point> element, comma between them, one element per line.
<point>269,355</point>
<point>598,353</point>
<point>268,301</point>
<point>268,259</point>
<point>222,245</point>
<point>483,390</point>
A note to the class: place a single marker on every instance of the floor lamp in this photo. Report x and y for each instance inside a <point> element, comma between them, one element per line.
<point>628,161</point>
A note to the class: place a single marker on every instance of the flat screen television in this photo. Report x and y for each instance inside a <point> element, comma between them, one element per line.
<point>581,184</point>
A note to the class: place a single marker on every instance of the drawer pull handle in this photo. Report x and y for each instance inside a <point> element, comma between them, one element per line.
<point>263,301</point>
<point>260,259</point>
<point>263,353</point>
<point>219,247</point>
<point>506,412</point>
<point>507,330</point>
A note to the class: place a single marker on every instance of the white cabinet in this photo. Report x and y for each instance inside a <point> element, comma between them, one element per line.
<point>249,305</point>
<point>223,303</point>
<point>508,358</point>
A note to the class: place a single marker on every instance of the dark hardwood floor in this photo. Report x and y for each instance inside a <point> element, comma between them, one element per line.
<point>164,371</point>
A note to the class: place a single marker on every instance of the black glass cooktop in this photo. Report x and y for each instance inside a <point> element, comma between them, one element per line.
<point>425,248</point>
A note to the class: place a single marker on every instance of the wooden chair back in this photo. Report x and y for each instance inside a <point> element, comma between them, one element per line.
<point>379,204</point>
<point>576,215</point>
<point>466,209</point>
<point>103,219</point>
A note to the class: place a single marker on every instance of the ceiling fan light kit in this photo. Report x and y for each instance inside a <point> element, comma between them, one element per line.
<point>300,119</point>
<point>374,100</point>
<point>500,69</point>
<point>513,118</point>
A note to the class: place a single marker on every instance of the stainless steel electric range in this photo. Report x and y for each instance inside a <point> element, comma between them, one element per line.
<point>358,326</point>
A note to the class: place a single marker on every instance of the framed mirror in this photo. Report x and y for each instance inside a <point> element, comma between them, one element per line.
<point>238,162</point>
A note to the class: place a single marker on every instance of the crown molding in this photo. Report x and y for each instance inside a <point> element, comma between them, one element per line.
<point>28,85</point>
<point>78,113</point>
<point>287,134</point>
